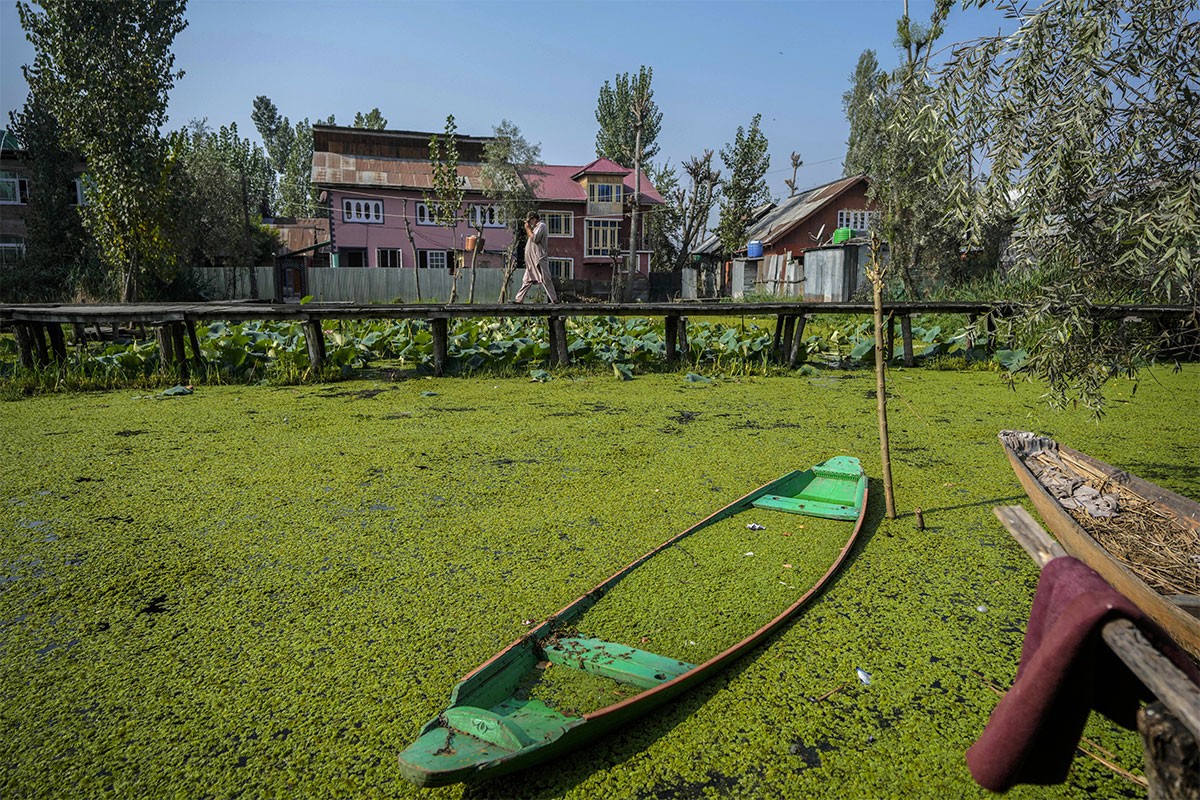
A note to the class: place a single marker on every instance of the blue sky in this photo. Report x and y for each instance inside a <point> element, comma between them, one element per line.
<point>540,64</point>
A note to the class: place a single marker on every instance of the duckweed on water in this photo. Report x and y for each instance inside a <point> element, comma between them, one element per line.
<point>256,591</point>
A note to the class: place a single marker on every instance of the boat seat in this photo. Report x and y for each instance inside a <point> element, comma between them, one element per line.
<point>617,661</point>
<point>806,506</point>
<point>487,726</point>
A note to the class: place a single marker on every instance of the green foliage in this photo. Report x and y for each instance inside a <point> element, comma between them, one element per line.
<point>59,257</point>
<point>449,187</point>
<point>290,149</point>
<point>901,144</point>
<point>745,185</point>
<point>662,223</point>
<point>372,120</point>
<point>222,185</point>
<point>1087,118</point>
<point>265,591</point>
<point>104,71</point>
<point>865,114</point>
<point>616,137</point>
<point>510,178</point>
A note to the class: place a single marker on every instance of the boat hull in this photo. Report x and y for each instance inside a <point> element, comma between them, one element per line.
<point>1168,615</point>
<point>473,739</point>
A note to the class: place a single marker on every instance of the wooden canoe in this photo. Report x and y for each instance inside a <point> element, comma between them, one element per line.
<point>488,729</point>
<point>1042,464</point>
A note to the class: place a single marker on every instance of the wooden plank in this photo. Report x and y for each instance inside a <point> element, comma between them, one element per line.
<point>315,339</point>
<point>1172,767</point>
<point>907,340</point>
<point>1167,681</point>
<point>197,358</point>
<point>1032,537</point>
<point>1160,676</point>
<point>783,353</point>
<point>796,352</point>
<point>564,354</point>
<point>39,343</point>
<point>24,336</point>
<point>181,364</point>
<point>440,326</point>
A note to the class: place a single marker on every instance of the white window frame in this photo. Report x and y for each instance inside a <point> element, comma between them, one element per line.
<point>442,255</point>
<point>594,192</point>
<point>565,216</point>
<point>379,257</point>
<point>593,225</point>
<point>565,268</point>
<point>362,211</point>
<point>426,213</point>
<point>857,219</point>
<point>16,186</point>
<point>489,213</point>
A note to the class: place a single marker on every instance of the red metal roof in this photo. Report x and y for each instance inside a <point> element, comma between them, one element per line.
<point>602,166</point>
<point>558,182</point>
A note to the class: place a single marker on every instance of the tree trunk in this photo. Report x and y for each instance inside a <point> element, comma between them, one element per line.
<point>876,276</point>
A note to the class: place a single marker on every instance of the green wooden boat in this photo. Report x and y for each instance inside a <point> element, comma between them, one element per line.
<point>491,727</point>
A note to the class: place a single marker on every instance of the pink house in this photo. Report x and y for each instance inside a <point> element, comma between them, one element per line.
<point>375,181</point>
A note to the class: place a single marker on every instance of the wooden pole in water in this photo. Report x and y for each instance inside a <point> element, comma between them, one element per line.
<point>876,271</point>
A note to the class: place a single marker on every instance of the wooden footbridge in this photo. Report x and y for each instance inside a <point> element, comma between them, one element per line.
<point>41,340</point>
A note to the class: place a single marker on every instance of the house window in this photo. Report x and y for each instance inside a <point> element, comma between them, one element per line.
<point>353,257</point>
<point>12,247</point>
<point>77,192</point>
<point>486,216</point>
<point>559,223</point>
<point>604,192</point>
<point>427,213</point>
<point>562,268</point>
<point>433,259</point>
<point>389,257</point>
<point>14,188</point>
<point>359,210</point>
<point>602,237</point>
<point>857,219</point>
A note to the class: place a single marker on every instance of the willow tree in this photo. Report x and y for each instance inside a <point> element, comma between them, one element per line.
<point>1085,127</point>
<point>104,71</point>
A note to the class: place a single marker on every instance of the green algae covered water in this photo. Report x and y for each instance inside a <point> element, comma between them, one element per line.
<point>257,591</point>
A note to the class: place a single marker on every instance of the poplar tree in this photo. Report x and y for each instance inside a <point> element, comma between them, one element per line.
<point>448,191</point>
<point>59,258</point>
<point>104,71</point>
<point>616,137</point>
<point>745,187</point>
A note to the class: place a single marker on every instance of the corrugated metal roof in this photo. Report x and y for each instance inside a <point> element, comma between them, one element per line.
<point>555,182</point>
<point>788,213</point>
<point>334,169</point>
<point>602,166</point>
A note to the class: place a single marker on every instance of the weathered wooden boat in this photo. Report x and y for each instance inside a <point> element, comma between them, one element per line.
<point>490,728</point>
<point>1058,479</point>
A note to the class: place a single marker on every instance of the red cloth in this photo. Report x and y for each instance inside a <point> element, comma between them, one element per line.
<point>1065,671</point>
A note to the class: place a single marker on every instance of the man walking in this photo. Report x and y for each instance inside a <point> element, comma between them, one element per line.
<point>537,264</point>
